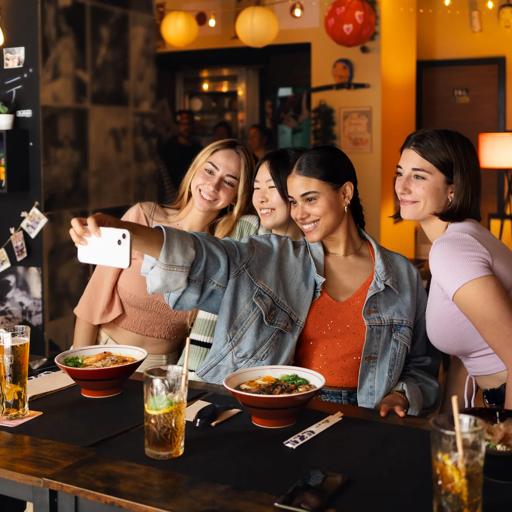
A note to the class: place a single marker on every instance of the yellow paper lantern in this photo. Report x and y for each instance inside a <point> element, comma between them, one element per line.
<point>179,28</point>
<point>257,26</point>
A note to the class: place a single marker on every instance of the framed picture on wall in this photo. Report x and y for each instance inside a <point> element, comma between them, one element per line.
<point>356,129</point>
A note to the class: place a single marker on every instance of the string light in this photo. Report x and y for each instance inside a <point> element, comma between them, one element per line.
<point>212,21</point>
<point>490,4</point>
<point>447,3</point>
<point>297,9</point>
<point>205,86</point>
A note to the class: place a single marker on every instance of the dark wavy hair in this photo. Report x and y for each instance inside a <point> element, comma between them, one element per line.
<point>455,156</point>
<point>333,166</point>
<point>280,164</point>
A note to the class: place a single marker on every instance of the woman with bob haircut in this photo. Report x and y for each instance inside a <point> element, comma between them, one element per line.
<point>115,306</point>
<point>334,301</point>
<point>469,311</point>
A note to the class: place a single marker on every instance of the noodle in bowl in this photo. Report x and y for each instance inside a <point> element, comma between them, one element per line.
<point>273,410</point>
<point>101,382</point>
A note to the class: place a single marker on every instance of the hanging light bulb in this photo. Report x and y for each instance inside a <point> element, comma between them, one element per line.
<point>490,4</point>
<point>447,2</point>
<point>2,37</point>
<point>297,9</point>
<point>212,21</point>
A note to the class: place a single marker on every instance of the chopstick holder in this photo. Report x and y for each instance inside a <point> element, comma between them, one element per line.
<point>313,430</point>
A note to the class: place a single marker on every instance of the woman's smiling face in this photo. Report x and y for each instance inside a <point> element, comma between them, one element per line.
<point>215,183</point>
<point>272,209</point>
<point>316,207</point>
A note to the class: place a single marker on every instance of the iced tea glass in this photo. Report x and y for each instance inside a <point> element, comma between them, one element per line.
<point>165,401</point>
<point>457,483</point>
<point>14,352</point>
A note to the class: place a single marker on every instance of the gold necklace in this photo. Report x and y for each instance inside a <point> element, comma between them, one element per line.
<point>346,255</point>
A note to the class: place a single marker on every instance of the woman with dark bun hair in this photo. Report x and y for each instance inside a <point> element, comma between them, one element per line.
<point>469,311</point>
<point>336,301</point>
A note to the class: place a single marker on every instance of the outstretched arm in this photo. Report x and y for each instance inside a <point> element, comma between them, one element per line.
<point>144,239</point>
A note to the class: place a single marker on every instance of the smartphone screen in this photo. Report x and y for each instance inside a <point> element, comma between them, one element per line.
<point>312,492</point>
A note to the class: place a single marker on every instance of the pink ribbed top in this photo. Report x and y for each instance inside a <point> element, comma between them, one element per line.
<point>120,295</point>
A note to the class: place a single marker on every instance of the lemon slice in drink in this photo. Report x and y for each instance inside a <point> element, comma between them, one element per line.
<point>159,405</point>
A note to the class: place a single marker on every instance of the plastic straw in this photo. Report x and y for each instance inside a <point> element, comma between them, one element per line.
<point>184,375</point>
<point>458,434</point>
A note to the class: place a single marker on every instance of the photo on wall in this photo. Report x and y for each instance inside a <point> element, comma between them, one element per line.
<point>64,74</point>
<point>142,62</point>
<point>109,59</point>
<point>66,276</point>
<point>65,158</point>
<point>110,175</point>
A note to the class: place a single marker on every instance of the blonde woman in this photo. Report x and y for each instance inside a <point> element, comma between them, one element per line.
<point>115,306</point>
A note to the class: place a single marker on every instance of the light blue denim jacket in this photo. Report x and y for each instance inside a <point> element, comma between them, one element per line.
<point>262,291</point>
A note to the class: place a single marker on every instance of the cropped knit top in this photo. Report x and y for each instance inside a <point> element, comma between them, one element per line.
<point>120,295</point>
<point>466,251</point>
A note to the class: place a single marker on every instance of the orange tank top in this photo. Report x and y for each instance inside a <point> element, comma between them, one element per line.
<point>332,340</point>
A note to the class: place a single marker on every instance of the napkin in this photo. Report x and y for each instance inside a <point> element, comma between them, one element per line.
<point>18,421</point>
<point>194,408</point>
<point>47,383</point>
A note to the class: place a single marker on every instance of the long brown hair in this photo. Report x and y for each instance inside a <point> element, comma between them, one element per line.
<point>227,218</point>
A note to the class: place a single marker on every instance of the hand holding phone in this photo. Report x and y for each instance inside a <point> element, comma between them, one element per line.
<point>112,249</point>
<point>312,492</point>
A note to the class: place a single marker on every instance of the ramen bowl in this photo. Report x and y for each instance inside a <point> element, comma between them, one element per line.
<point>273,411</point>
<point>106,381</point>
<point>498,463</point>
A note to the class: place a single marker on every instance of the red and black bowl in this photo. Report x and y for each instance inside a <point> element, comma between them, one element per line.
<point>273,411</point>
<point>101,382</point>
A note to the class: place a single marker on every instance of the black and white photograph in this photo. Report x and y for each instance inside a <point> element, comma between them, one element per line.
<point>65,158</point>
<point>21,297</point>
<point>109,63</point>
<point>64,75</point>
<point>34,222</point>
<point>142,62</point>
<point>110,175</point>
<point>67,276</point>
<point>14,57</point>
<point>145,163</point>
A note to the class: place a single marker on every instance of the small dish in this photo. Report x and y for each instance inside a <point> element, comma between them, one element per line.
<point>101,382</point>
<point>273,411</point>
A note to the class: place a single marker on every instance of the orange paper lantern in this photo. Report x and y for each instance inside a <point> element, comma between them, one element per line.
<point>350,22</point>
<point>257,26</point>
<point>179,28</point>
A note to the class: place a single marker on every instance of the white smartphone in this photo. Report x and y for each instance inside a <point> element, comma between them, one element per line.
<point>112,249</point>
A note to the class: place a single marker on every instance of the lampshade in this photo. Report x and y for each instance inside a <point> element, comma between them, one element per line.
<point>179,28</point>
<point>495,150</point>
<point>257,26</point>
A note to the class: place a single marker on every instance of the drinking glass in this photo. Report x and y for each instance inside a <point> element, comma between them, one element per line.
<point>457,481</point>
<point>165,401</point>
<point>14,352</point>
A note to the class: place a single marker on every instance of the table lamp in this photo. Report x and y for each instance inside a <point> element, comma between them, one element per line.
<point>495,153</point>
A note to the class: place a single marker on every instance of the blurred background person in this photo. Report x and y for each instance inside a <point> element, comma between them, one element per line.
<point>259,141</point>
<point>222,130</point>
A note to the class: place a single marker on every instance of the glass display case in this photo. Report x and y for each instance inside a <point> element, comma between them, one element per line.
<point>219,94</point>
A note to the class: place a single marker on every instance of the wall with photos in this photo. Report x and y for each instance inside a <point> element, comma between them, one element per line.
<point>21,282</point>
<point>98,83</point>
<point>324,52</point>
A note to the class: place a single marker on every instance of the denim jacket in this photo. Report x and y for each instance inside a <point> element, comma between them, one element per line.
<point>262,291</point>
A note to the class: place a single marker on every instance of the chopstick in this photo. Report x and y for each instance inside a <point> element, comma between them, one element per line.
<point>313,430</point>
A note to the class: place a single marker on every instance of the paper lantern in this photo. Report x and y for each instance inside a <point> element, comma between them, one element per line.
<point>257,26</point>
<point>350,22</point>
<point>179,28</point>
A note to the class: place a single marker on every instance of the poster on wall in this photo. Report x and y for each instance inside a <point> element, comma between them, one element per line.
<point>356,129</point>
<point>64,76</point>
<point>21,296</point>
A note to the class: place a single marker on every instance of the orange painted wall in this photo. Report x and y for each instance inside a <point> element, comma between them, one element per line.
<point>398,79</point>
